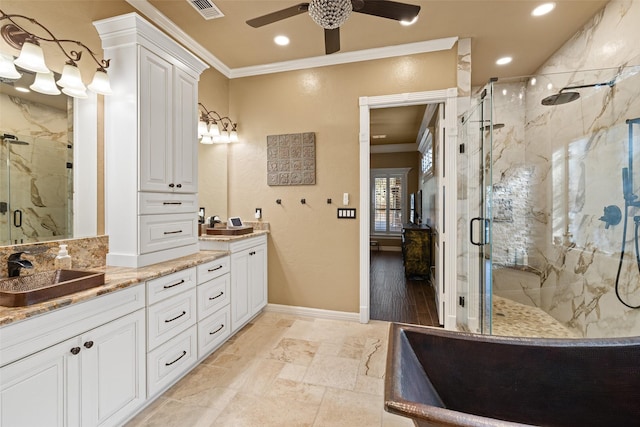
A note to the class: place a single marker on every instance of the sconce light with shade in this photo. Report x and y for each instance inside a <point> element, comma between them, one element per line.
<point>209,127</point>
<point>31,58</point>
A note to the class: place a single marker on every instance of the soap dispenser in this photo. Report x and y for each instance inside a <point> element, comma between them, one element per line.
<point>63,259</point>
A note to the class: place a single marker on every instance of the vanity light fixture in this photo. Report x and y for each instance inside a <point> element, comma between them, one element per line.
<point>31,58</point>
<point>209,130</point>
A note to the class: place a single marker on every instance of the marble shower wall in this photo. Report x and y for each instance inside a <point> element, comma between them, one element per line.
<point>556,168</point>
<point>41,185</point>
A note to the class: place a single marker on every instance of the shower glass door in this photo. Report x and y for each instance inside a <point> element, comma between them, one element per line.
<point>474,233</point>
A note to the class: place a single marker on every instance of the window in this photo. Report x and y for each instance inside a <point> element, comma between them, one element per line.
<point>388,200</point>
<point>426,161</point>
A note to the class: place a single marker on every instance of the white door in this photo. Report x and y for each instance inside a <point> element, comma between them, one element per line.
<point>258,278</point>
<point>185,150</point>
<point>113,370</point>
<point>42,389</point>
<point>240,306</point>
<point>156,119</point>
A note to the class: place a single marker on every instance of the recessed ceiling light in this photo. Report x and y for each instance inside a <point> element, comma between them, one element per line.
<point>504,60</point>
<point>281,40</point>
<point>407,23</point>
<point>543,9</point>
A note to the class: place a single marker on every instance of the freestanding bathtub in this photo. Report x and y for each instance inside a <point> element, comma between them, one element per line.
<point>444,378</point>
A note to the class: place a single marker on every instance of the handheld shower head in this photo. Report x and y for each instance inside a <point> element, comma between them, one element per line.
<point>563,97</point>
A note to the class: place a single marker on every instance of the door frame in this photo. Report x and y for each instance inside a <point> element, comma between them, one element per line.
<point>447,221</point>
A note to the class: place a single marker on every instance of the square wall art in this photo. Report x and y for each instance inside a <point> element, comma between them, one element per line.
<point>291,159</point>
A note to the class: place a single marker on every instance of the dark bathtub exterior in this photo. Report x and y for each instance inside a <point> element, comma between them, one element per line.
<point>443,378</point>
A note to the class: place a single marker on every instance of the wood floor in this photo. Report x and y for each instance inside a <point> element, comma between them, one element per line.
<point>396,299</point>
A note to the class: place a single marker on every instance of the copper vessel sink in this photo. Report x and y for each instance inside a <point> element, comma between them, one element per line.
<point>39,287</point>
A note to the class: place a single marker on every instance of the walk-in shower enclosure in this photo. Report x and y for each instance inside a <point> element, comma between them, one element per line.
<point>551,188</point>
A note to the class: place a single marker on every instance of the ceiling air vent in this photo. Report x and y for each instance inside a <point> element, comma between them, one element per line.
<point>206,8</point>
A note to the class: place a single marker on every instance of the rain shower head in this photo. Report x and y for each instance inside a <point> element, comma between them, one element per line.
<point>563,97</point>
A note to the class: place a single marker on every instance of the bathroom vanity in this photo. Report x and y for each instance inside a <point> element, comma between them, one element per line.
<point>97,357</point>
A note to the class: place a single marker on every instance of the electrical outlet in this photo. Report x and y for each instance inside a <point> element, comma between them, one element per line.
<point>258,213</point>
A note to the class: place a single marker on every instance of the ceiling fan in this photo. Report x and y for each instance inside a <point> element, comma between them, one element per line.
<point>331,14</point>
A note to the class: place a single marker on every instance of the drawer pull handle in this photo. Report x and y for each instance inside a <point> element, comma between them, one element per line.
<point>175,284</point>
<point>179,185</point>
<point>217,296</point>
<point>171,203</point>
<point>173,232</point>
<point>75,350</point>
<point>214,269</point>
<point>171,185</point>
<point>88,344</point>
<point>217,330</point>
<point>177,317</point>
<point>184,353</point>
<point>252,253</point>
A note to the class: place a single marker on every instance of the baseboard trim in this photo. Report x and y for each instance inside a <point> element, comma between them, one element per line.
<point>313,312</point>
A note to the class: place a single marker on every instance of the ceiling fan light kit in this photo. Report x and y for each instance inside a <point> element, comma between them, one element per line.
<point>331,14</point>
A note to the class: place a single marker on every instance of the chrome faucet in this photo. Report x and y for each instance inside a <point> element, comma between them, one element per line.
<point>15,263</point>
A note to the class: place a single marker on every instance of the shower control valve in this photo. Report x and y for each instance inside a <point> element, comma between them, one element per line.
<point>612,216</point>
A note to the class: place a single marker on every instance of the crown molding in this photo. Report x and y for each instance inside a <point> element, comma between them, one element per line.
<point>346,57</point>
<point>177,33</point>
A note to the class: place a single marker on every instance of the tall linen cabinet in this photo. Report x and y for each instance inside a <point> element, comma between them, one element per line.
<point>151,164</point>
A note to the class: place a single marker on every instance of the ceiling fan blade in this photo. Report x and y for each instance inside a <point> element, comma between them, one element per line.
<point>278,15</point>
<point>331,41</point>
<point>389,9</point>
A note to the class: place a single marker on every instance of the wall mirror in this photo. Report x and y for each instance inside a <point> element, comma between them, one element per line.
<point>48,160</point>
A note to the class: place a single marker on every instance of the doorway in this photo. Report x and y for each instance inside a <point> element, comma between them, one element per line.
<point>445,238</point>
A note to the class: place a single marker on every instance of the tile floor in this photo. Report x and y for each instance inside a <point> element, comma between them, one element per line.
<point>283,370</point>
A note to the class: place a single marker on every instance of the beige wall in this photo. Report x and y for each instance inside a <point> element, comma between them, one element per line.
<point>213,93</point>
<point>313,257</point>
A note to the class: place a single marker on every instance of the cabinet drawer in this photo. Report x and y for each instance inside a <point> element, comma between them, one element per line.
<point>213,269</point>
<point>166,203</point>
<point>170,285</point>
<point>213,331</point>
<point>159,232</point>
<point>213,295</point>
<point>169,361</point>
<point>168,318</point>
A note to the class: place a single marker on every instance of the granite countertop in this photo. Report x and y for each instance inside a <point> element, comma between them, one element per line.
<point>225,238</point>
<point>116,278</point>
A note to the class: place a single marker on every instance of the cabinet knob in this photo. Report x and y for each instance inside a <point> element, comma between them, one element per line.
<point>88,344</point>
<point>179,185</point>
<point>75,350</point>
<point>171,185</point>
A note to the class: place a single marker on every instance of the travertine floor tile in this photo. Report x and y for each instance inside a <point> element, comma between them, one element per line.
<point>178,414</point>
<point>293,372</point>
<point>282,371</point>
<point>140,419</point>
<point>392,420</point>
<point>344,408</point>
<point>292,350</point>
<point>332,371</point>
<point>294,390</point>
<point>252,411</point>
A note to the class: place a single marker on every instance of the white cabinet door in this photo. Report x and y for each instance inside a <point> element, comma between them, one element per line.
<point>156,123</point>
<point>113,371</point>
<point>258,278</point>
<point>185,150</point>
<point>240,305</point>
<point>42,389</point>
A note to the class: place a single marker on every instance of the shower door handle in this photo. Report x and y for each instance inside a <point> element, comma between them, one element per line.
<point>485,235</point>
<point>17,218</point>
